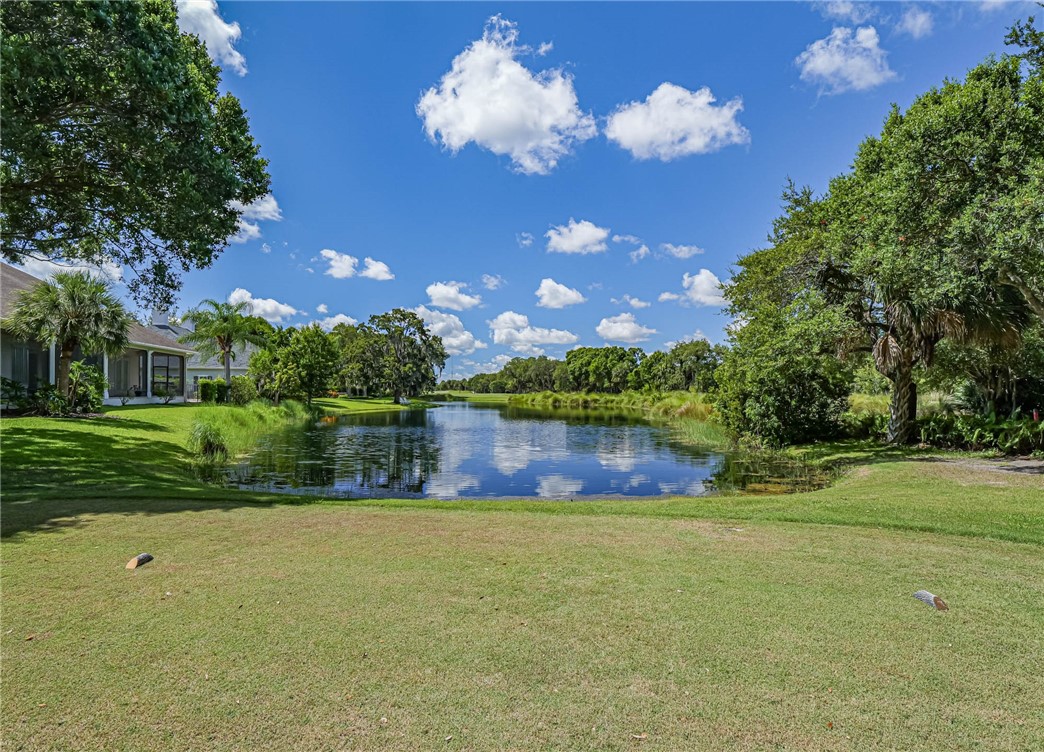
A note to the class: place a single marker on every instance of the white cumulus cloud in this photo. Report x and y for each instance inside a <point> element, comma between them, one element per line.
<point>264,209</point>
<point>376,270</point>
<point>623,328</point>
<point>267,308</point>
<point>697,335</point>
<point>108,271</point>
<point>916,22</point>
<point>680,251</point>
<point>702,288</point>
<point>551,294</point>
<point>854,11</point>
<point>465,368</point>
<point>331,321</point>
<point>456,339</point>
<point>451,295</point>
<point>674,122</point>
<point>514,330</point>
<point>344,265</point>
<point>577,237</point>
<point>524,239</point>
<point>845,61</point>
<point>631,301</point>
<point>489,98</point>
<point>321,308</point>
<point>492,281</point>
<point>639,253</point>
<point>340,265</point>
<point>201,17</point>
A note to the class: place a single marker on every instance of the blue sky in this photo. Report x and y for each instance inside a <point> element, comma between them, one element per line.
<point>586,112</point>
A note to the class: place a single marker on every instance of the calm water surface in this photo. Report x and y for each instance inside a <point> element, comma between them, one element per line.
<point>466,450</point>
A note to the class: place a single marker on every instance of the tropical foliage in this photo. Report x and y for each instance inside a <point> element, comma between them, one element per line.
<point>76,311</point>
<point>219,329</point>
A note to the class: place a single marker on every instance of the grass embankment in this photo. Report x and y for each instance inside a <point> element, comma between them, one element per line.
<point>498,398</point>
<point>348,405</point>
<point>717,623</point>
<point>688,414</point>
<point>137,452</point>
<point>221,431</point>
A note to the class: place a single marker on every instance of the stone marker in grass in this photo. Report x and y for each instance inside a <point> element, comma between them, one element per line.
<point>932,600</point>
<point>139,560</point>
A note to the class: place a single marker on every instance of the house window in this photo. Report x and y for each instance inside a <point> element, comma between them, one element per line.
<point>166,374</point>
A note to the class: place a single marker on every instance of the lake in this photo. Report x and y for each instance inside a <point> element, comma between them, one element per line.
<point>461,450</point>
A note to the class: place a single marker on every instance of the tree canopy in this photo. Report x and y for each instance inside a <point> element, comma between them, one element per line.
<point>936,233</point>
<point>117,144</point>
<point>407,356</point>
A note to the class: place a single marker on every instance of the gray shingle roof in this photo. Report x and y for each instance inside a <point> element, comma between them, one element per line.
<point>14,281</point>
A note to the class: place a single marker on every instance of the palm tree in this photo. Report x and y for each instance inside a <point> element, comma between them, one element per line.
<point>219,328</point>
<point>72,309</point>
<point>908,336</point>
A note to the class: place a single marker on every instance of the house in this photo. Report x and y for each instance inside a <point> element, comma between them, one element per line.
<point>198,367</point>
<point>151,366</point>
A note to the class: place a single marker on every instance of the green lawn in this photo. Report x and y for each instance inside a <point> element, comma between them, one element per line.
<point>779,622</point>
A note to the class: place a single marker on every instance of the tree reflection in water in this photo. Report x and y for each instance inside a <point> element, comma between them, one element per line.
<point>463,450</point>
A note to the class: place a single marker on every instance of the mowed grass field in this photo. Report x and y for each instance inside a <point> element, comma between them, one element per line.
<point>727,623</point>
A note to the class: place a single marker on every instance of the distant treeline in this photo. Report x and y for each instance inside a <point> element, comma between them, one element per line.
<point>688,366</point>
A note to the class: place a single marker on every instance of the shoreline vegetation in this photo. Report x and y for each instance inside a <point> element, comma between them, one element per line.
<point>146,453</point>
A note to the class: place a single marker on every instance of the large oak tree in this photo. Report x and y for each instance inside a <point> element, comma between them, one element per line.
<point>116,142</point>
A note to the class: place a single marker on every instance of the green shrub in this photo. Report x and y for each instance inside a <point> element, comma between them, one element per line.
<point>207,390</point>
<point>978,433</point>
<point>87,385</point>
<point>242,390</point>
<point>865,424</point>
<point>12,393</point>
<point>207,440</point>
<point>792,400</point>
<point>220,391</point>
<point>47,400</point>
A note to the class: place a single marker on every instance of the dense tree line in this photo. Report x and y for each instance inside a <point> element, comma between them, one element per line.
<point>610,370</point>
<point>925,260</point>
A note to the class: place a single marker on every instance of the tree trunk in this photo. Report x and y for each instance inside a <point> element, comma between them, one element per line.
<point>903,406</point>
<point>64,363</point>
<point>226,356</point>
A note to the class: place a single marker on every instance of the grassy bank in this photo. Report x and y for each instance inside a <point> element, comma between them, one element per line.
<point>474,397</point>
<point>687,414</point>
<point>222,431</point>
<point>267,622</point>
<point>137,452</point>
<point>334,626</point>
